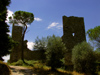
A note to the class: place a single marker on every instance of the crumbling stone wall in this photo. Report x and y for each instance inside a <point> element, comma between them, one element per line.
<point>73,33</point>
<point>16,51</point>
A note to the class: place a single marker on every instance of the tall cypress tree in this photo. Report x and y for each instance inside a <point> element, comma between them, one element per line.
<point>5,44</point>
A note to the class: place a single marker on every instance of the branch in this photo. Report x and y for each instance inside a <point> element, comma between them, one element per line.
<point>27,31</point>
<point>24,31</point>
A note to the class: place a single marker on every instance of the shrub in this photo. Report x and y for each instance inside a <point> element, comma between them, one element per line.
<point>55,52</point>
<point>83,58</point>
<point>4,69</point>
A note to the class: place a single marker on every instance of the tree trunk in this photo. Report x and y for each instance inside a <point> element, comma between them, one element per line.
<point>22,47</point>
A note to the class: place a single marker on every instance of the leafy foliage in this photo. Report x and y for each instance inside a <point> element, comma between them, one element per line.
<point>3,9</point>
<point>97,54</point>
<point>22,17</point>
<point>83,58</point>
<point>5,43</point>
<point>55,51</point>
<point>40,44</point>
<point>94,35</point>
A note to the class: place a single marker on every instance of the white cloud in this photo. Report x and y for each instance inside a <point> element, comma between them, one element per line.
<point>6,58</point>
<point>59,26</point>
<point>9,33</point>
<point>30,45</point>
<point>8,15</point>
<point>37,19</point>
<point>52,25</point>
<point>55,25</point>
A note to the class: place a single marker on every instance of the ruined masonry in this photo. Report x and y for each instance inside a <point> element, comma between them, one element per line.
<point>16,51</point>
<point>73,33</point>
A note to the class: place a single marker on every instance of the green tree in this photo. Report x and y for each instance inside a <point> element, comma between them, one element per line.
<point>94,35</point>
<point>22,18</point>
<point>97,54</point>
<point>4,29</point>
<point>83,58</point>
<point>40,44</point>
<point>55,52</point>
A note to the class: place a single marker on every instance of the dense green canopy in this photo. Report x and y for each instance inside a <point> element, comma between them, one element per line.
<point>55,52</point>
<point>83,58</point>
<point>5,43</point>
<point>22,17</point>
<point>94,34</point>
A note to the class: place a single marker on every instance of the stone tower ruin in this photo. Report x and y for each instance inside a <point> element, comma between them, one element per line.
<point>16,51</point>
<point>16,36</point>
<point>73,33</point>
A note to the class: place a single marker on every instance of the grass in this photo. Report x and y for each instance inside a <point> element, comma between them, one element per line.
<point>40,68</point>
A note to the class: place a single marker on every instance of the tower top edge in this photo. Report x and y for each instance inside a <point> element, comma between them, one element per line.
<point>72,17</point>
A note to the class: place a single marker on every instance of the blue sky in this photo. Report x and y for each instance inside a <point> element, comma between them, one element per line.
<point>48,15</point>
<point>50,12</point>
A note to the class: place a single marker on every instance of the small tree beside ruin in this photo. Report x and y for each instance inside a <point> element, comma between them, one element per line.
<point>83,58</point>
<point>55,52</point>
<point>22,18</point>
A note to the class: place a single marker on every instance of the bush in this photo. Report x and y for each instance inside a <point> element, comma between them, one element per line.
<point>4,69</point>
<point>97,54</point>
<point>83,58</point>
<point>55,52</point>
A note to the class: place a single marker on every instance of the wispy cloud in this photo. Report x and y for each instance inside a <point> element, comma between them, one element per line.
<point>30,45</point>
<point>9,13</point>
<point>59,26</point>
<point>37,19</point>
<point>54,25</point>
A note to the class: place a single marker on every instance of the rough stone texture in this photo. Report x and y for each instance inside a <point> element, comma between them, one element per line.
<point>28,54</point>
<point>16,36</point>
<point>73,33</point>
